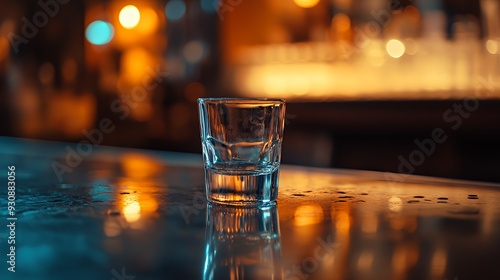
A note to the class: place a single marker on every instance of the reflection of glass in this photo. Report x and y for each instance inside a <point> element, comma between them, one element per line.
<point>242,243</point>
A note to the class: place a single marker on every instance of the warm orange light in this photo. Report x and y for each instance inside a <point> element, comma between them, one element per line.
<point>132,211</point>
<point>135,63</point>
<point>148,21</point>
<point>342,221</point>
<point>370,223</point>
<point>308,215</point>
<point>129,16</point>
<point>139,166</point>
<point>4,48</point>
<point>395,48</point>
<point>341,23</point>
<point>395,204</point>
<point>492,46</point>
<point>306,3</point>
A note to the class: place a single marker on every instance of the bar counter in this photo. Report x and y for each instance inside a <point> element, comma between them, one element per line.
<point>93,212</point>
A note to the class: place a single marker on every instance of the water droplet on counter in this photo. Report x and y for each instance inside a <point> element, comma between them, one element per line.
<point>341,200</point>
<point>113,213</point>
<point>472,197</point>
<point>341,192</point>
<point>345,196</point>
<point>298,194</point>
<point>364,193</point>
<point>413,201</point>
<point>442,201</point>
<point>124,193</point>
<point>418,196</point>
<point>442,198</point>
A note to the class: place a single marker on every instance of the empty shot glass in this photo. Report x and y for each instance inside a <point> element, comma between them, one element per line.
<point>241,141</point>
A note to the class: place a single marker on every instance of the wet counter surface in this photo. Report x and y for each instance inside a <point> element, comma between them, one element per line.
<point>88,212</point>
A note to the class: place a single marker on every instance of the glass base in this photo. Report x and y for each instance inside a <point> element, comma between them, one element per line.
<point>242,189</point>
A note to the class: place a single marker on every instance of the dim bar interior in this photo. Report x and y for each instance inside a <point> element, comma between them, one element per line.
<point>366,81</point>
<point>391,154</point>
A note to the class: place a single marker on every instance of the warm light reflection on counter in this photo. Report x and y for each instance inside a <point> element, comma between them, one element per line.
<point>342,221</point>
<point>395,204</point>
<point>404,257</point>
<point>139,165</point>
<point>309,214</point>
<point>369,223</point>
<point>131,209</point>
<point>134,194</point>
<point>365,261</point>
<point>438,264</point>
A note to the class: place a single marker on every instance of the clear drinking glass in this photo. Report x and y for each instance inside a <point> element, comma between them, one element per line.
<point>243,243</point>
<point>241,140</point>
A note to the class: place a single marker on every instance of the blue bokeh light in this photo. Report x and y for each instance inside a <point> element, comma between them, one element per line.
<point>175,10</point>
<point>209,6</point>
<point>99,32</point>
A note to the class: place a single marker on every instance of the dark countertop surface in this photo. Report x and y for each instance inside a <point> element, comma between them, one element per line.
<point>88,212</point>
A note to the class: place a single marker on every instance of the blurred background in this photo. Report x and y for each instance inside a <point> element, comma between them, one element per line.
<point>408,86</point>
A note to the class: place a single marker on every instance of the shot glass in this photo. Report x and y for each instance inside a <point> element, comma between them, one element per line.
<point>241,141</point>
<point>242,243</point>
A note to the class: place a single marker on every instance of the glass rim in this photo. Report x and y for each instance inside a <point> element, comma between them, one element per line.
<point>240,100</point>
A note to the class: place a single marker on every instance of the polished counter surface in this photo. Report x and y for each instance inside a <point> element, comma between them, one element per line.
<point>89,212</point>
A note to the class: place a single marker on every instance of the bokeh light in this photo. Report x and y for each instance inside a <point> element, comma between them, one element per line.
<point>395,48</point>
<point>134,63</point>
<point>492,46</point>
<point>175,10</point>
<point>149,21</point>
<point>99,32</point>
<point>306,3</point>
<point>209,6</point>
<point>341,22</point>
<point>129,16</point>
<point>194,51</point>
<point>4,48</point>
